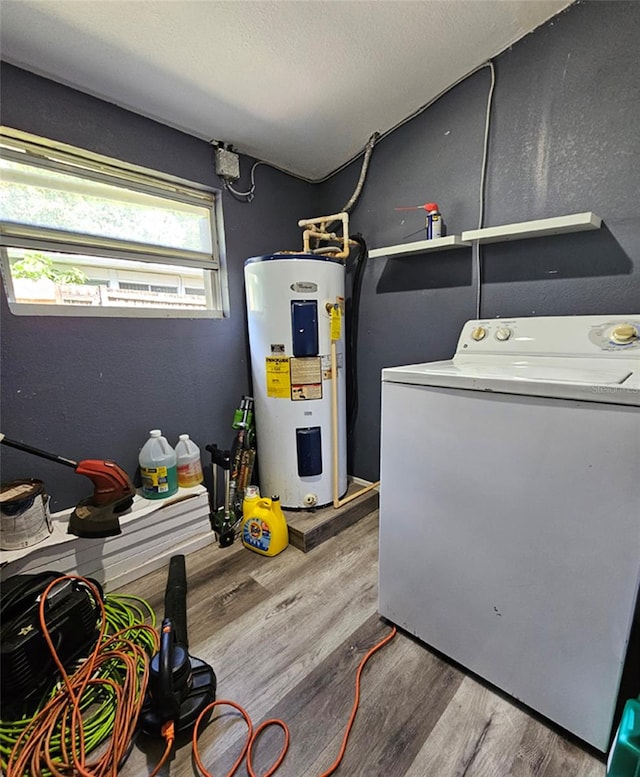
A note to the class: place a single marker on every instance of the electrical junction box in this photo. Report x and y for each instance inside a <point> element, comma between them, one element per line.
<point>227,164</point>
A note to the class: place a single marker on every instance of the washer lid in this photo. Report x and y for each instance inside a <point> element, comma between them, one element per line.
<point>420,373</point>
<point>545,377</point>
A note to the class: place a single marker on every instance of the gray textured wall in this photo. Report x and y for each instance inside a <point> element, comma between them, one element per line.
<point>564,139</point>
<point>92,388</point>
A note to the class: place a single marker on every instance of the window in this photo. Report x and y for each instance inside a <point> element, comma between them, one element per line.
<point>82,234</point>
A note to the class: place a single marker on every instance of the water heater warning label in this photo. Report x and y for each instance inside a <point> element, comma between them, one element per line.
<point>306,378</point>
<point>278,377</point>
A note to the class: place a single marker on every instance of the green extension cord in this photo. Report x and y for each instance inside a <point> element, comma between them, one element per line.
<point>122,611</point>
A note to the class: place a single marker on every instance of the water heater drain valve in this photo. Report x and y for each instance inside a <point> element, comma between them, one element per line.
<point>310,500</point>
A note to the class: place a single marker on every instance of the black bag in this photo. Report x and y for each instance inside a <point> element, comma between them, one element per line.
<point>27,668</point>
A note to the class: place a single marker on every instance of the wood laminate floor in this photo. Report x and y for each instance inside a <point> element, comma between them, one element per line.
<point>285,636</point>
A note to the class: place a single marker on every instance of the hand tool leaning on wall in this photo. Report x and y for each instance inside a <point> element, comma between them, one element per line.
<point>237,465</point>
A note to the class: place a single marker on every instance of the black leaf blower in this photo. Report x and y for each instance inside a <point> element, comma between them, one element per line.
<point>180,686</point>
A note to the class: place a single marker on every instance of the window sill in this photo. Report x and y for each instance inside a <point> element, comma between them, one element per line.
<point>85,311</point>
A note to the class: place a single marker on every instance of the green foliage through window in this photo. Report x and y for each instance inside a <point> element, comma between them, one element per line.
<point>35,266</point>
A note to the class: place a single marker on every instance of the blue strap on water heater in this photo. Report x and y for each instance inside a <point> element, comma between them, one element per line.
<point>309,448</point>
<point>304,327</point>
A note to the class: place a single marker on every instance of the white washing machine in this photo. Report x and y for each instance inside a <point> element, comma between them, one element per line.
<point>510,509</point>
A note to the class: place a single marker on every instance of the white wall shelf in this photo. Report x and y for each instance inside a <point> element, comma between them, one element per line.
<point>558,225</point>
<point>419,247</point>
<point>576,222</point>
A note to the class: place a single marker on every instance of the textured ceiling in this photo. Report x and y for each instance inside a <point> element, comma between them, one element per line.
<point>299,84</point>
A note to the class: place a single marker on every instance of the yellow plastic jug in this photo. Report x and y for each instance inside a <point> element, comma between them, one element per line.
<point>265,528</point>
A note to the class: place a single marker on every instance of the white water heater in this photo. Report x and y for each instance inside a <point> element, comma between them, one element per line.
<point>295,308</point>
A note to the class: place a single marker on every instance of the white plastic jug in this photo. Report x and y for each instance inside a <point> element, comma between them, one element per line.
<point>189,466</point>
<point>158,468</point>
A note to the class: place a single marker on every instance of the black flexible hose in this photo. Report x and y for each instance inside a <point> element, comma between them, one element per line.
<point>353,319</point>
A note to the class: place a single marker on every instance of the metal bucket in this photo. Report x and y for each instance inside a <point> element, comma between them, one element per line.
<point>24,514</point>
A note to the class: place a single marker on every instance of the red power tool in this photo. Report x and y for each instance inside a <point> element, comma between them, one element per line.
<point>96,516</point>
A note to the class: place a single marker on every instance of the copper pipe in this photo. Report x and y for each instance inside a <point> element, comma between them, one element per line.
<point>320,233</point>
<point>319,219</point>
<point>334,423</point>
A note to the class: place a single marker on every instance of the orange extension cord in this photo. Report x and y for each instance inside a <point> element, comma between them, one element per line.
<point>252,735</point>
<point>63,713</point>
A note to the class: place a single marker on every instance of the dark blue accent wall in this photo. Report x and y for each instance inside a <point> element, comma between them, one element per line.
<point>93,387</point>
<point>564,139</point>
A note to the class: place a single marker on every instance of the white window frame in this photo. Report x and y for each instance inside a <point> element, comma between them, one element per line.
<point>60,157</point>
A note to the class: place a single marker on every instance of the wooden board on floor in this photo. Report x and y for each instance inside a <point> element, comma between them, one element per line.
<point>310,528</point>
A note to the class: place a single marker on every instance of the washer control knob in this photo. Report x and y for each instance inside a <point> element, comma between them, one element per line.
<point>504,333</point>
<point>479,333</point>
<point>624,333</point>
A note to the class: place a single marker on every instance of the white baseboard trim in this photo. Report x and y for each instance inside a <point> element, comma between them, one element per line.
<point>361,482</point>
